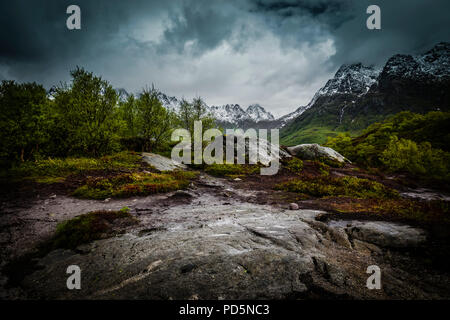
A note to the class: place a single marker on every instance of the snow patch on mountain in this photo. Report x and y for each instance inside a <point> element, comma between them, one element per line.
<point>290,116</point>
<point>349,79</point>
<point>258,113</point>
<point>433,64</point>
<point>233,113</point>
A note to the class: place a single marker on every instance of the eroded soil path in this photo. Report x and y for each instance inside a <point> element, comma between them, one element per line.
<point>218,240</point>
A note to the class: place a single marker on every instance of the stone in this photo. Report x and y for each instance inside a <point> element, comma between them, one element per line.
<point>293,206</point>
<point>161,163</point>
<point>315,152</point>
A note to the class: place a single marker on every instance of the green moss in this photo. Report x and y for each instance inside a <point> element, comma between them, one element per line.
<point>134,184</point>
<point>231,170</point>
<point>294,165</point>
<point>324,186</point>
<point>86,228</point>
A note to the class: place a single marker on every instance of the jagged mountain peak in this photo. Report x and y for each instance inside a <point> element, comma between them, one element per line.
<point>434,64</point>
<point>350,79</point>
<point>258,113</point>
<point>228,113</point>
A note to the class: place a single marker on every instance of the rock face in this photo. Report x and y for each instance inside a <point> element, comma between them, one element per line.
<point>161,163</point>
<point>314,152</point>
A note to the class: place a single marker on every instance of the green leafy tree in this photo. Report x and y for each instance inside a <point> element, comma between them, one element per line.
<point>21,120</point>
<point>196,110</point>
<point>128,114</point>
<point>87,111</point>
<point>154,123</point>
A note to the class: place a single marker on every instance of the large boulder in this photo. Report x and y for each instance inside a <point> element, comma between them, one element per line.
<point>161,163</point>
<point>262,155</point>
<point>314,152</point>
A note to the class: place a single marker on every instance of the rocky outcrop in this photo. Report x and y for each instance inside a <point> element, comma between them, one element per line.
<point>315,152</point>
<point>161,163</point>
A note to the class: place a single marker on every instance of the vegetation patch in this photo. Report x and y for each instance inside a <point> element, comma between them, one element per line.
<point>294,165</point>
<point>231,170</point>
<point>87,228</point>
<point>405,209</point>
<point>133,184</point>
<point>325,186</point>
<point>56,170</point>
<point>407,142</point>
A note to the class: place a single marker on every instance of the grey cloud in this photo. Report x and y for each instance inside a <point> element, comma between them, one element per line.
<point>278,51</point>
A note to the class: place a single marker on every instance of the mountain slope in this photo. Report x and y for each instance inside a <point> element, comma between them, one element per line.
<point>358,96</point>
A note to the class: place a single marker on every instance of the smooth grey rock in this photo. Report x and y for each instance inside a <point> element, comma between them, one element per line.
<point>315,151</point>
<point>260,154</point>
<point>161,163</point>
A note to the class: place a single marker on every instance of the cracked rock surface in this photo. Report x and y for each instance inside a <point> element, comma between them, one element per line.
<point>202,244</point>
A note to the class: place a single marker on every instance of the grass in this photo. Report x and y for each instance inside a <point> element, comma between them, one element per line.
<point>231,170</point>
<point>56,170</point>
<point>315,134</point>
<point>326,186</point>
<point>86,228</point>
<point>133,184</point>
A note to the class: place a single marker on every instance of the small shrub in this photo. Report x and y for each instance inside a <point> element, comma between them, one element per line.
<point>294,165</point>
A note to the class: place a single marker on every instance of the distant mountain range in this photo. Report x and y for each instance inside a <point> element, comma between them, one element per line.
<point>358,96</point>
<point>355,97</point>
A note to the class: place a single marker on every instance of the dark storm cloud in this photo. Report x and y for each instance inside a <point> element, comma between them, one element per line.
<point>407,26</point>
<point>273,52</point>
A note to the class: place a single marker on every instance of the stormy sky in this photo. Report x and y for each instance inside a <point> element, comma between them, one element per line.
<point>275,53</point>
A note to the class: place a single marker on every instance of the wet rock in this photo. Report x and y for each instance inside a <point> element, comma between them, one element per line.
<point>293,206</point>
<point>161,163</point>
<point>181,194</point>
<point>314,152</point>
<point>383,234</point>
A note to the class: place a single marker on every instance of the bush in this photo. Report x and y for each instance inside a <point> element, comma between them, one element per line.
<point>406,155</point>
<point>407,142</point>
<point>294,165</point>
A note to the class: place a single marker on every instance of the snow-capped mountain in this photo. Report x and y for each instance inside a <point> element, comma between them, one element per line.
<point>433,64</point>
<point>358,95</point>
<point>290,116</point>
<point>354,79</point>
<point>233,114</point>
<point>170,103</point>
<point>349,79</point>
<point>258,113</point>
